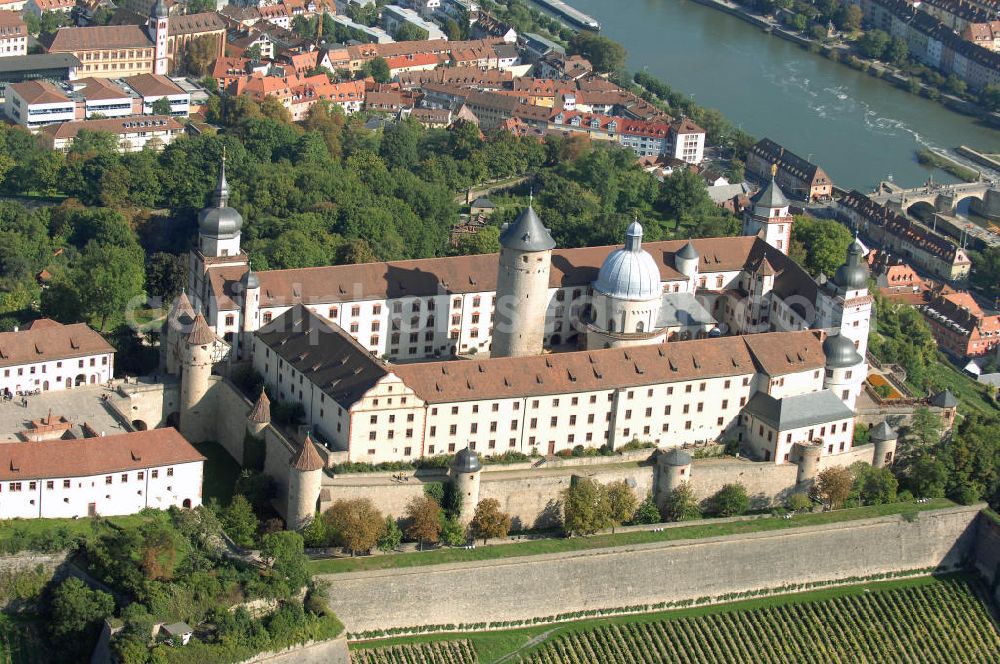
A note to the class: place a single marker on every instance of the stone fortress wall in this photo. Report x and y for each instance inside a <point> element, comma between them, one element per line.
<point>547,585</point>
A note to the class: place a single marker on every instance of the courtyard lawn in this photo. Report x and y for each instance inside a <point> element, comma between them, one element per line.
<point>221,473</point>
<point>699,529</point>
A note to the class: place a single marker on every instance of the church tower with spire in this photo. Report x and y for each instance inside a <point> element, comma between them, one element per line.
<point>768,216</point>
<point>522,287</point>
<point>159,30</point>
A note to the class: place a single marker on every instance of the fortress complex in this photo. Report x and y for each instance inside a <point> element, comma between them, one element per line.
<point>539,348</point>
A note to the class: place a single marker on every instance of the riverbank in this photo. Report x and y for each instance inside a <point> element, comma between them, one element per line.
<point>875,69</point>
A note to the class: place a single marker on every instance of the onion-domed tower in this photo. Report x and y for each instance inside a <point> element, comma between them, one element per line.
<point>845,368</point>
<point>627,296</point>
<point>522,287</point>
<point>219,225</point>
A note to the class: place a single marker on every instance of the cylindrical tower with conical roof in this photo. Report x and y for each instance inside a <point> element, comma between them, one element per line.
<point>845,368</point>
<point>465,476</point>
<point>259,416</point>
<point>808,455</point>
<point>305,481</point>
<point>522,287</point>
<point>196,416</point>
<point>884,439</point>
<point>673,469</point>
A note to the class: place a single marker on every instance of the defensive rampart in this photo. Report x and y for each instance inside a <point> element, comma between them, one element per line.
<point>546,585</point>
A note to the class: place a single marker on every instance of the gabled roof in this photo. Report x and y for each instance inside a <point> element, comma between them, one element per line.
<point>50,341</point>
<point>798,411</point>
<point>332,359</point>
<point>95,456</point>
<point>95,38</point>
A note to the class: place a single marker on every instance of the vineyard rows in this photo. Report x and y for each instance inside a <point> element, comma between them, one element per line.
<point>942,622</point>
<point>441,652</point>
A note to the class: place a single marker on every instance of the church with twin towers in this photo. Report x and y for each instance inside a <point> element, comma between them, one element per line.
<point>540,349</point>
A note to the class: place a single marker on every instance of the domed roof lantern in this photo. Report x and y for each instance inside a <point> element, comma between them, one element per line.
<point>219,220</point>
<point>466,461</point>
<point>630,273</point>
<point>853,274</point>
<point>159,9</point>
<point>250,279</point>
<point>840,352</point>
<point>527,233</point>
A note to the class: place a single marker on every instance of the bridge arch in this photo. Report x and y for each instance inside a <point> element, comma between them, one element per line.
<point>922,210</point>
<point>969,203</point>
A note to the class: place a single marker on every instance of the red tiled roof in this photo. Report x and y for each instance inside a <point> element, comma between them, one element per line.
<point>95,456</point>
<point>42,342</point>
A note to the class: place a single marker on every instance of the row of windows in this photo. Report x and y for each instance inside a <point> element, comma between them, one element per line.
<point>31,369</point>
<point>66,484</point>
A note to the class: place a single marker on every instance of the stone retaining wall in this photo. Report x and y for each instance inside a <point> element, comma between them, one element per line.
<point>546,585</point>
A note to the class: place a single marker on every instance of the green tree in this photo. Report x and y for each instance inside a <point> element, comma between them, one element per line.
<point>52,21</point>
<point>283,551</point>
<point>378,69</point>
<point>409,32</point>
<point>681,504</point>
<point>849,18</point>
<point>874,44</point>
<point>730,500</point>
<point>165,275</point>
<point>972,457</point>
<point>833,485</point>
<point>489,520</point>
<point>874,486</point>
<point>681,195</point>
<point>897,52</point>
<point>585,507</point>
<point>76,611</point>
<point>316,534</point>
<point>604,54</point>
<point>108,277</point>
<point>239,521</point>
<point>622,503</point>
<point>927,477</point>
<point>647,512</point>
<point>799,502</point>
<point>392,536</point>
<point>989,98</point>
<point>954,85</point>
<point>925,427</point>
<point>201,52</point>
<point>399,145</point>
<point>424,516</point>
<point>357,524</point>
<point>986,276</point>
<point>161,106</point>
<point>819,245</point>
<point>485,241</point>
<point>452,532</point>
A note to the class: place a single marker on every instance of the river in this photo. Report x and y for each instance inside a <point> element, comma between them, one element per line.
<point>859,129</point>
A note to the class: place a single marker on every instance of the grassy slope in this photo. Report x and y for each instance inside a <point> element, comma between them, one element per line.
<point>697,530</point>
<point>492,646</point>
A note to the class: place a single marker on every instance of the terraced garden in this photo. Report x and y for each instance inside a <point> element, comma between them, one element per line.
<point>919,620</point>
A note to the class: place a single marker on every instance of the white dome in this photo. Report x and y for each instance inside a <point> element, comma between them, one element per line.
<point>630,273</point>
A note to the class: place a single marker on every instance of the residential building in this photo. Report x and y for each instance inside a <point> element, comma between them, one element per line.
<point>892,275</point>
<point>152,87</point>
<point>986,35</point>
<point>105,476</point>
<point>51,356</point>
<point>13,35</point>
<point>33,104</point>
<point>39,7</point>
<point>394,17</point>
<point>133,133</point>
<point>959,324</point>
<point>796,176</point>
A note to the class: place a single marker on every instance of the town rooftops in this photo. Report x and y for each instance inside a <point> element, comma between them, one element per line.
<point>12,25</point>
<point>39,92</point>
<point>96,38</point>
<point>798,411</point>
<point>188,24</point>
<point>85,457</point>
<point>118,126</point>
<point>43,343</point>
<point>98,89</point>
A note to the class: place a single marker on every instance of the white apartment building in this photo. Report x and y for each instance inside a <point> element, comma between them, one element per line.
<point>133,133</point>
<point>33,104</point>
<point>51,356</point>
<point>687,141</point>
<point>105,476</point>
<point>153,87</point>
<point>13,35</point>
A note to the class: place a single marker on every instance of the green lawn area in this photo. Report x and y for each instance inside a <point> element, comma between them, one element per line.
<point>972,396</point>
<point>221,471</point>
<point>54,534</point>
<point>697,530</point>
<point>492,646</point>
<point>21,641</point>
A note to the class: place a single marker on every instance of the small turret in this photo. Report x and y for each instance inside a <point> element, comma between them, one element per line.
<point>465,477</point>
<point>305,480</point>
<point>673,469</point>
<point>196,409</point>
<point>260,415</point>
<point>686,261</point>
<point>884,438</point>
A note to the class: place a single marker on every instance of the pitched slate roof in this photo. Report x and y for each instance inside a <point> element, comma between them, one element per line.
<point>47,342</point>
<point>330,357</point>
<point>96,38</point>
<point>95,456</point>
<point>798,411</point>
<point>307,458</point>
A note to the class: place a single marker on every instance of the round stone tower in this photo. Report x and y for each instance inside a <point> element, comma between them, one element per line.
<point>465,476</point>
<point>686,261</point>
<point>250,287</point>
<point>175,330</point>
<point>808,456</point>
<point>305,479</point>
<point>672,469</point>
<point>259,416</point>
<point>522,287</point>
<point>845,369</point>
<point>198,354</point>
<point>884,439</point>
